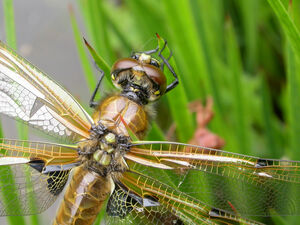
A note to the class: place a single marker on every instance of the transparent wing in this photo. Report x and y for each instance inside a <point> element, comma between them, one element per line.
<point>237,184</point>
<point>126,207</point>
<point>163,204</point>
<point>49,153</point>
<point>29,95</point>
<point>32,174</point>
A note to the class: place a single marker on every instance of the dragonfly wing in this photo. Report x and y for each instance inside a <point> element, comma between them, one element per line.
<point>29,95</point>
<point>32,174</point>
<point>128,207</point>
<point>163,204</point>
<point>125,207</point>
<point>49,153</point>
<point>264,186</point>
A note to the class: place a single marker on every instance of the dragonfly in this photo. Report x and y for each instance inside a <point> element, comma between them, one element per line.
<point>135,181</point>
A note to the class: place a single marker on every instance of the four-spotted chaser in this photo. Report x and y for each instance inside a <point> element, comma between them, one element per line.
<point>141,182</point>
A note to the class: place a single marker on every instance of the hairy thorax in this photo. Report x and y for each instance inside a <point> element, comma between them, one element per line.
<point>114,119</point>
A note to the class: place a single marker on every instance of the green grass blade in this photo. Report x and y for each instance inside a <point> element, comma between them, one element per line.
<point>178,102</point>
<point>287,24</point>
<point>207,16</point>
<point>8,195</point>
<point>101,63</point>
<point>210,48</point>
<point>155,133</point>
<point>293,71</point>
<point>11,40</point>
<point>293,94</point>
<point>249,21</point>
<point>9,20</point>
<point>22,130</point>
<point>97,26</point>
<point>273,147</point>
<point>237,87</point>
<point>146,16</point>
<point>187,48</point>
<point>116,29</point>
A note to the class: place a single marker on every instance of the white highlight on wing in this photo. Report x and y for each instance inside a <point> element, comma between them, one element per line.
<point>263,174</point>
<point>147,162</point>
<point>18,102</point>
<point>204,157</point>
<point>28,94</point>
<point>20,80</point>
<point>179,162</point>
<point>11,161</point>
<point>192,152</point>
<point>51,85</point>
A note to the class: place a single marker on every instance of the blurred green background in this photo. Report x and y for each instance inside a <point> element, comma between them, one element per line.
<point>245,54</point>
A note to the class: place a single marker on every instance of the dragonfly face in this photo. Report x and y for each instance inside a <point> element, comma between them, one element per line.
<point>139,76</point>
<point>143,182</point>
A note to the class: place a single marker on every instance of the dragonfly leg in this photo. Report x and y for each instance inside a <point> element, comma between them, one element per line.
<point>149,52</point>
<point>162,65</point>
<point>92,102</point>
<point>123,142</point>
<point>99,130</point>
<point>166,62</point>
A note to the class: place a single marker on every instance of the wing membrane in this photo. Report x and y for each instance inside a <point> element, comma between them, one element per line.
<point>177,155</point>
<point>171,206</point>
<point>50,154</point>
<point>32,174</point>
<point>25,191</point>
<point>29,95</point>
<point>264,186</point>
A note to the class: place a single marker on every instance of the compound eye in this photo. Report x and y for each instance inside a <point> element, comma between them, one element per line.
<point>154,63</point>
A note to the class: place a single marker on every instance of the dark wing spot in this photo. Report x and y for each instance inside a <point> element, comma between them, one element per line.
<point>263,162</point>
<point>56,179</point>
<point>177,222</point>
<point>36,106</point>
<point>216,213</point>
<point>37,164</point>
<point>149,201</point>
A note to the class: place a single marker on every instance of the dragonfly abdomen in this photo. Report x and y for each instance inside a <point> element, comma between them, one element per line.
<point>83,198</point>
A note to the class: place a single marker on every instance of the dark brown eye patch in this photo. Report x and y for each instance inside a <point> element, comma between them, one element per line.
<point>125,63</point>
<point>155,74</point>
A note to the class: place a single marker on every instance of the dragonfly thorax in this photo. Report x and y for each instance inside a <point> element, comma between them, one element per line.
<point>106,148</point>
<point>103,153</point>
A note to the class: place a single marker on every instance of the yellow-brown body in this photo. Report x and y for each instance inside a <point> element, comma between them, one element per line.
<point>88,190</point>
<point>113,108</point>
<point>84,198</point>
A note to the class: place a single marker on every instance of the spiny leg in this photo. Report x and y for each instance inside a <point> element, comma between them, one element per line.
<point>149,52</point>
<point>163,64</point>
<point>166,62</point>
<point>92,102</point>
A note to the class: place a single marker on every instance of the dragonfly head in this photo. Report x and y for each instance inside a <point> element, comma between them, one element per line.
<point>139,76</point>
